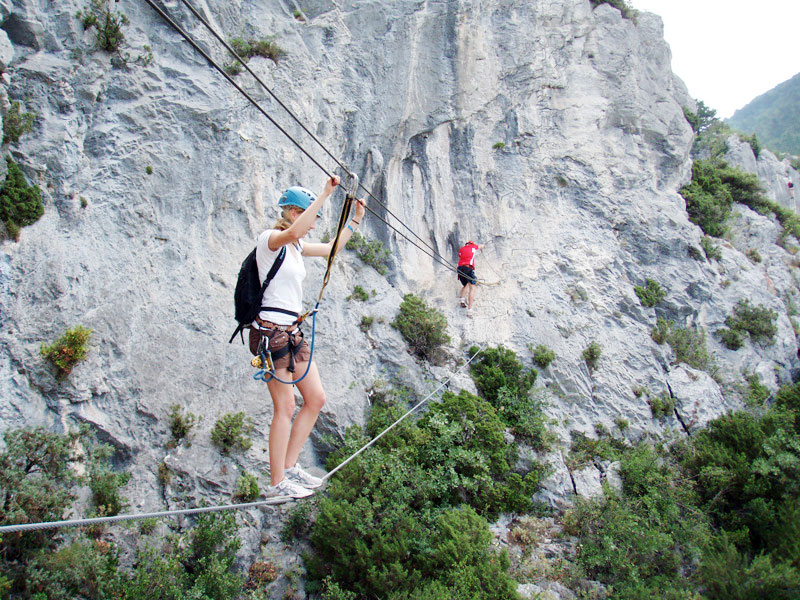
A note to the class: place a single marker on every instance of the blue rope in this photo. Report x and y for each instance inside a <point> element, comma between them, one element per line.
<point>262,374</point>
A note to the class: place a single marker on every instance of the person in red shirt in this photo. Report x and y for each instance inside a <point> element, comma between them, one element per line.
<point>466,274</point>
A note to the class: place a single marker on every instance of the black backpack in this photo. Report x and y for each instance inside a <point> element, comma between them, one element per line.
<point>250,290</point>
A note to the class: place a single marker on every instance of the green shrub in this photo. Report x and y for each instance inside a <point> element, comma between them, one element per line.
<point>372,253</point>
<point>266,48</point>
<point>710,248</point>
<point>105,483</point>
<point>246,488</point>
<point>494,369</point>
<point>235,68</point>
<point>755,145</point>
<point>406,519</point>
<point>661,331</point>
<point>591,354</point>
<point>16,123</point>
<point>359,294</point>
<point>745,468</point>
<point>366,323</point>
<point>180,425</point>
<point>232,432</point>
<point>757,392</point>
<point>729,574</point>
<point>68,350</point>
<point>197,564</point>
<point>733,339</point>
<point>646,540</point>
<point>423,327</point>
<point>298,523</point>
<point>708,200</point>
<point>584,450</point>
<point>20,204</point>
<point>689,344</point>
<point>148,169</point>
<point>498,146</point>
<point>650,294</point>
<point>98,14</point>
<point>542,356</point>
<point>757,321</point>
<point>621,423</point>
<point>661,406</point>
<point>298,15</point>
<point>38,483</point>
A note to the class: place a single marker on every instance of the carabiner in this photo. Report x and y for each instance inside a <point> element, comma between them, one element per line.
<point>351,185</point>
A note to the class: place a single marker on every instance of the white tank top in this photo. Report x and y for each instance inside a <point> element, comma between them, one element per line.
<point>286,288</point>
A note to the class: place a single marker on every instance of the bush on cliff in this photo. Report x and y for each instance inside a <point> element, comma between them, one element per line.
<point>20,204</point>
<point>408,518</point>
<point>423,327</point>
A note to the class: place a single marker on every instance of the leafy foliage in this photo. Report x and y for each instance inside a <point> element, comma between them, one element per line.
<point>591,354</point>
<point>688,344</point>
<point>661,406</point>
<point>372,253</point>
<point>757,321</point>
<point>411,509</point>
<point>359,294</point>
<point>16,123</point>
<point>20,204</point>
<point>543,356</point>
<point>68,350</point>
<point>109,23</point>
<point>232,432</point>
<point>496,368</point>
<point>708,200</point>
<point>423,327</point>
<point>266,48</point>
<point>642,540</point>
<point>180,425</point>
<point>651,293</point>
<point>246,488</point>
<point>710,248</point>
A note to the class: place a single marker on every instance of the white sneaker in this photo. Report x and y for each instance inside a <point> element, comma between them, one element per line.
<point>287,489</point>
<point>469,313</point>
<point>463,302</point>
<point>297,475</point>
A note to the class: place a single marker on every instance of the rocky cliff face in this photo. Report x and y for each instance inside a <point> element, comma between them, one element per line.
<point>577,207</point>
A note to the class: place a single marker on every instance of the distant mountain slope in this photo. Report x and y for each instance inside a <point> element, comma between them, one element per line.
<point>774,117</point>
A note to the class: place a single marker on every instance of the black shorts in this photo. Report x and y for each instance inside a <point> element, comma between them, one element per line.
<point>466,274</point>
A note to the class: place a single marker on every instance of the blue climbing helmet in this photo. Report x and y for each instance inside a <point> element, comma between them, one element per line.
<point>299,197</point>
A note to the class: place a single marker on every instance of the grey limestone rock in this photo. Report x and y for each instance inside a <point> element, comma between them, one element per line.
<point>549,131</point>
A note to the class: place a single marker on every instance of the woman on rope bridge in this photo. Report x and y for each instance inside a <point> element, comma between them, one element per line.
<point>277,323</point>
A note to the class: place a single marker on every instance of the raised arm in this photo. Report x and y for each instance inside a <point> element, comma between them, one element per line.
<point>303,223</point>
<point>318,249</point>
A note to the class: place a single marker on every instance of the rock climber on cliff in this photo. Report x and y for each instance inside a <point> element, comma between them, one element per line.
<point>277,326</point>
<point>466,274</point>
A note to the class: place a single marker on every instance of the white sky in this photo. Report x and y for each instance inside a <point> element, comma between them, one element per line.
<point>730,51</point>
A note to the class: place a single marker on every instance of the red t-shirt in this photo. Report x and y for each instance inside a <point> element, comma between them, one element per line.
<point>466,256</point>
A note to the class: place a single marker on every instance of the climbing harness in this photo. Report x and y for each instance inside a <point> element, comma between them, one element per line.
<point>206,509</point>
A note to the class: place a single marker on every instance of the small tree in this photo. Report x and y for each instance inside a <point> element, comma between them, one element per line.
<point>423,327</point>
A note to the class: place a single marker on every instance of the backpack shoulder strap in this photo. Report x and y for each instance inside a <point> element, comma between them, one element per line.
<point>274,269</point>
